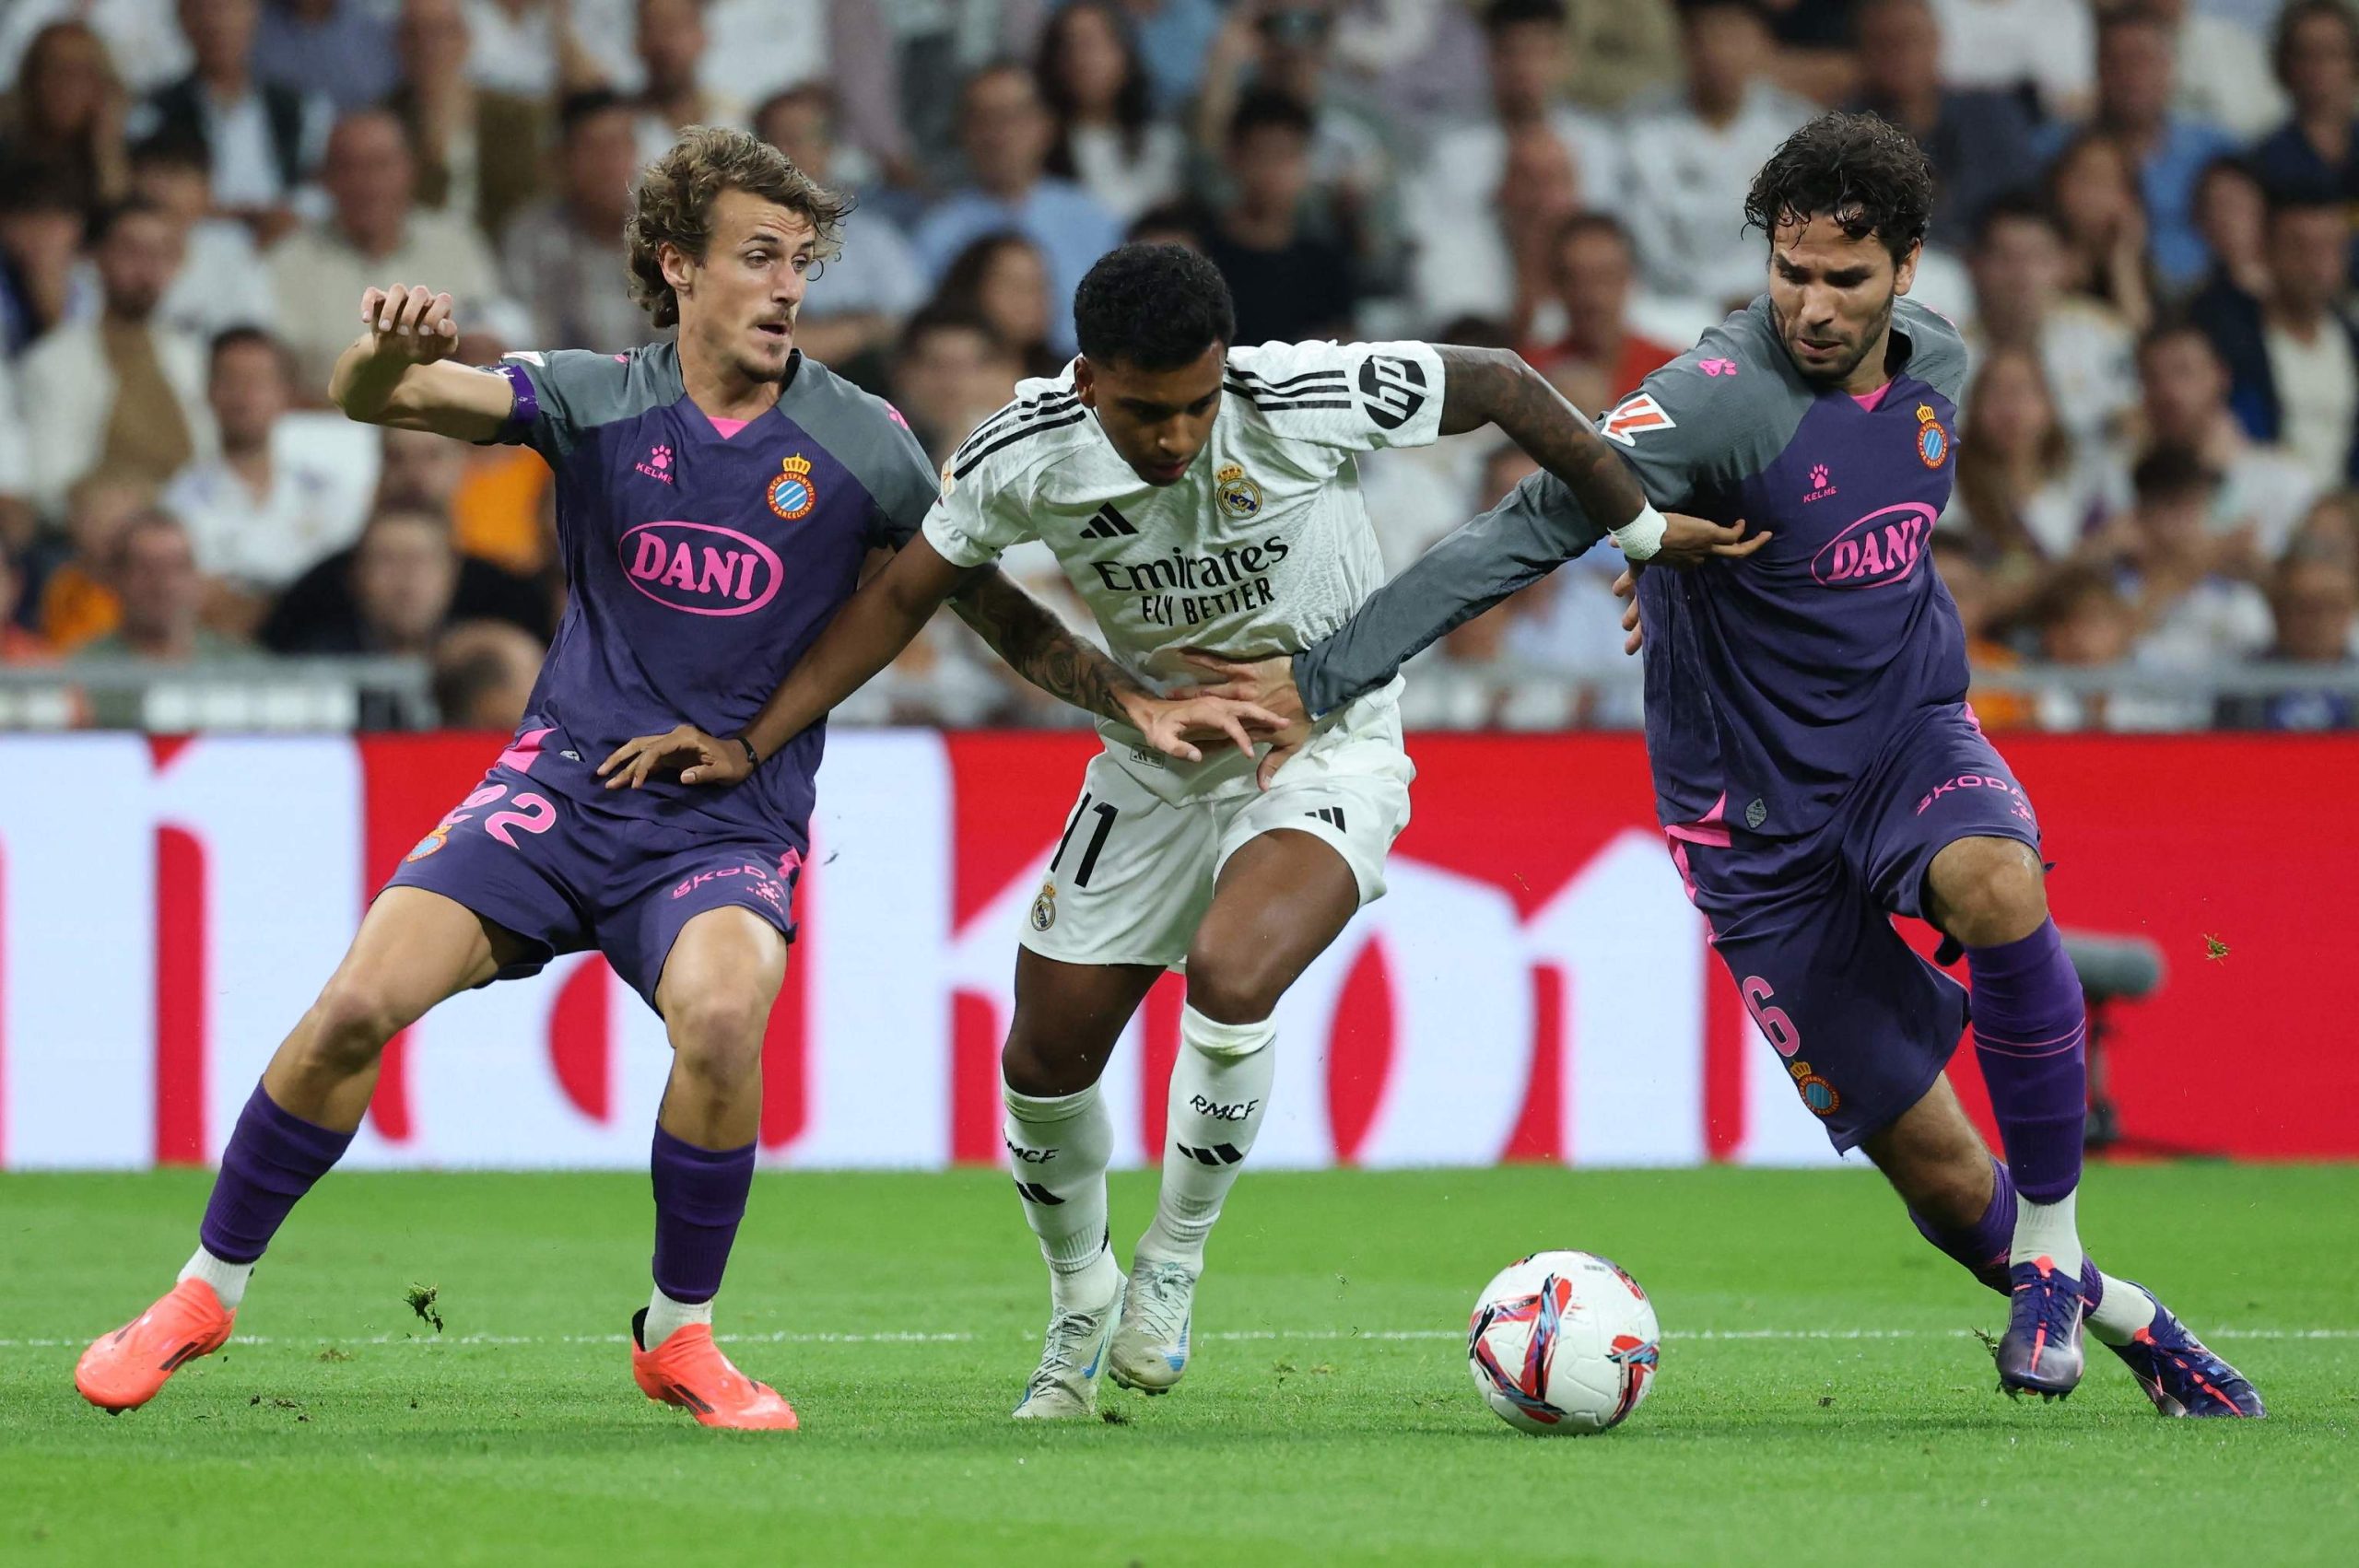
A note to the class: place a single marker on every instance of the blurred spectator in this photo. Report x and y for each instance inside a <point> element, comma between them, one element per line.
<point>163,599</point>
<point>1006,131</point>
<point>339,48</point>
<point>2093,191</point>
<point>563,256</point>
<point>538,49</point>
<point>1693,159</point>
<point>2223,74</point>
<point>675,92</point>
<point>478,150</point>
<point>271,504</point>
<point>2044,47</point>
<point>856,305</point>
<point>17,518</point>
<point>1289,47</point>
<point>1173,38</point>
<point>2136,64</point>
<point>2017,264</point>
<point>221,282</point>
<point>121,393</point>
<point>1096,88</point>
<point>2313,601</point>
<point>418,471</point>
<point>1003,280</point>
<point>2184,405</point>
<point>18,644</point>
<point>1174,223</point>
<point>2084,623</point>
<point>263,139</point>
<point>67,114</point>
<point>1592,270</point>
<point>2318,59</point>
<point>1980,140</point>
<point>2292,358</point>
<point>1620,49</point>
<point>40,242</point>
<point>2175,571</point>
<point>484,674</point>
<point>1978,613</point>
<point>77,601</point>
<point>1288,286</point>
<point>392,592</point>
<point>2022,501</point>
<point>375,237</point>
<point>2330,530</point>
<point>147,49</point>
<point>950,373</point>
<point>2232,213</point>
<point>1463,261</point>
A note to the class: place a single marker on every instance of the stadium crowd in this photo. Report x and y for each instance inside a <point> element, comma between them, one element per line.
<point>2144,226</point>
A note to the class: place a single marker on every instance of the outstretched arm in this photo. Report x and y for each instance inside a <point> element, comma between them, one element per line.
<point>398,371</point>
<point>1495,386</point>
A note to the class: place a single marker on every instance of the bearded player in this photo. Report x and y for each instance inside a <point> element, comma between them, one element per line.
<point>716,501</point>
<point>1194,492</point>
<point>1816,767</point>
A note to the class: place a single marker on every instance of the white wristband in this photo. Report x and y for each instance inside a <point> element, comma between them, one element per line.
<point>1642,535</point>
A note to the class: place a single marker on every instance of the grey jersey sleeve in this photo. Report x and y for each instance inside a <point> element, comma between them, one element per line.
<point>1936,352</point>
<point>1713,418</point>
<point>869,437</point>
<point>560,393</point>
<point>1517,543</point>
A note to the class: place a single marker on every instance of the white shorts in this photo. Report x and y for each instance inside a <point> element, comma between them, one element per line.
<point>1134,874</point>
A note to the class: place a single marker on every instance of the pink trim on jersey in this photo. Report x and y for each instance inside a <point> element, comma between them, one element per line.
<point>1706,829</point>
<point>524,753</point>
<point>728,427</point>
<point>1869,400</point>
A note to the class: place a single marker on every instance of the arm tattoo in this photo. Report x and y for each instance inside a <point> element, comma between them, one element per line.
<point>1039,646</point>
<point>1493,386</point>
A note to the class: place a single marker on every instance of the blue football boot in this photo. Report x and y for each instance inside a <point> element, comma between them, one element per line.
<point>2040,1352</point>
<point>2180,1376</point>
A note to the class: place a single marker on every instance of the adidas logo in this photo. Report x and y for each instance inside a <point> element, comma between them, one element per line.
<point>1218,1154</point>
<point>1108,524</point>
<point>1331,815</point>
<point>1035,1193</point>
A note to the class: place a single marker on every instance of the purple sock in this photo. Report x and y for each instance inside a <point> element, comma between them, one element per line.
<point>700,1198</point>
<point>1983,1250</point>
<point>273,1158</point>
<point>2029,1025</point>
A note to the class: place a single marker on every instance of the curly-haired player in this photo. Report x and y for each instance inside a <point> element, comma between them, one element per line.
<point>1817,767</point>
<point>717,501</point>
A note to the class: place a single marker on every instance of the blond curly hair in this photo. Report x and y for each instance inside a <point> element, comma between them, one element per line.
<point>672,202</point>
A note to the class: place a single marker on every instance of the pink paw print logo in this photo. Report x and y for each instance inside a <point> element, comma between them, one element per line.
<point>1817,476</point>
<point>1716,366</point>
<point>659,459</point>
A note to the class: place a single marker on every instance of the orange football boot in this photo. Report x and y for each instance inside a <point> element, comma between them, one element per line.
<point>122,1371</point>
<point>688,1369</point>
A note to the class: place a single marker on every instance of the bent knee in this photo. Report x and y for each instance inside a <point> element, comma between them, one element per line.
<point>1231,983</point>
<point>351,1021</point>
<point>1991,891</point>
<point>718,1035</point>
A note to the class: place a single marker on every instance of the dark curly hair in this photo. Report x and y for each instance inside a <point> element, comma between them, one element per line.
<point>1153,308</point>
<point>1860,170</point>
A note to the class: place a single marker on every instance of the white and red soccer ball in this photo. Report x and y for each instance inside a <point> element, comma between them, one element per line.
<point>1561,1342</point>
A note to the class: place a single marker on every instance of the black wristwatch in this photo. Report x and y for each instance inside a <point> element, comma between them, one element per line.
<point>753,757</point>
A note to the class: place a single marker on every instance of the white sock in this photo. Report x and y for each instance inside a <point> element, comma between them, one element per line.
<point>2125,1310</point>
<point>227,1280</point>
<point>1058,1147</point>
<point>2047,1230</point>
<point>666,1317</point>
<point>1220,1090</point>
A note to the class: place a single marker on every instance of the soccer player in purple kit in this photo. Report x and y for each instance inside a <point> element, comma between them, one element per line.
<point>717,501</point>
<point>1817,767</point>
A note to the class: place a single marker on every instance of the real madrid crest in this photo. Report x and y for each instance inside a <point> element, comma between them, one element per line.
<point>1932,440</point>
<point>1240,497</point>
<point>792,493</point>
<point>1044,909</point>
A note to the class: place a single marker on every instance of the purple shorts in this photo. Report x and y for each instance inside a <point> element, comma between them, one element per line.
<point>1805,924</point>
<point>565,875</point>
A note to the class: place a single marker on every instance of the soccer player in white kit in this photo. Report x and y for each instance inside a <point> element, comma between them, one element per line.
<point>1197,494</point>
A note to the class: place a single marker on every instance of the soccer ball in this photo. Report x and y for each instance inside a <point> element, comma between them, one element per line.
<point>1561,1342</point>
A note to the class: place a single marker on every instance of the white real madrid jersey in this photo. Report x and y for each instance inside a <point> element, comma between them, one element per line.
<point>1263,547</point>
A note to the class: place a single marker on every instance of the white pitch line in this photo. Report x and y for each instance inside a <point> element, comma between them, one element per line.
<point>793,1337</point>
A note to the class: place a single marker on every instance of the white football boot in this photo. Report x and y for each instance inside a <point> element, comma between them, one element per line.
<point>1150,1350</point>
<point>1065,1386</point>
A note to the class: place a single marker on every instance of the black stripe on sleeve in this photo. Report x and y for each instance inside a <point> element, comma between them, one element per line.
<point>1015,413</point>
<point>1309,397</point>
<point>962,469</point>
<point>1267,385</point>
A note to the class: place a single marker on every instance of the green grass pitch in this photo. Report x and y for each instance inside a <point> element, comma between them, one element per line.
<point>1821,1398</point>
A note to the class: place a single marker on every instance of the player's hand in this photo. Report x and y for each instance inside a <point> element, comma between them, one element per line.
<point>1691,541</point>
<point>413,326</point>
<point>684,749</point>
<point>1268,683</point>
<point>1627,587</point>
<point>1173,725</point>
